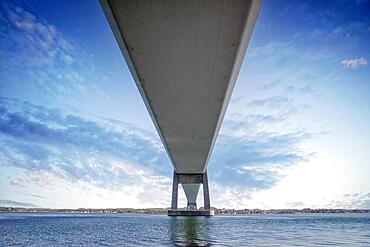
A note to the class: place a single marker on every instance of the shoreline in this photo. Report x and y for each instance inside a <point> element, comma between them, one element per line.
<point>163,211</point>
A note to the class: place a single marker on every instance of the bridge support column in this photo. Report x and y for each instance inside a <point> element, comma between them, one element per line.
<point>207,202</point>
<point>175,189</point>
<point>190,183</point>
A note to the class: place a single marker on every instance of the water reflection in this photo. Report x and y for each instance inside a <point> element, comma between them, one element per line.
<point>189,231</point>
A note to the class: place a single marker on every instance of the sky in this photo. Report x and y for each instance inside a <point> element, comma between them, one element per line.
<point>74,131</point>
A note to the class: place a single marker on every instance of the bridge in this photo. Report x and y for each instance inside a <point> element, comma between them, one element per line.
<point>185,56</point>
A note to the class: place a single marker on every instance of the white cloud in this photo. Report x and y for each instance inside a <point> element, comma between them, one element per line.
<point>142,189</point>
<point>354,63</point>
<point>41,43</point>
<point>41,58</point>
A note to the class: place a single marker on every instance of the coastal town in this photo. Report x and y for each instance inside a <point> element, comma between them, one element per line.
<point>160,211</point>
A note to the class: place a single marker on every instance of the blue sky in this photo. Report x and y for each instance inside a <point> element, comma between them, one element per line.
<point>74,131</point>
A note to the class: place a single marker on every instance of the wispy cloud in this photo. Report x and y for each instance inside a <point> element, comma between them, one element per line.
<point>40,57</point>
<point>353,200</point>
<point>32,195</point>
<point>53,145</point>
<point>254,149</point>
<point>10,203</point>
<point>32,42</point>
<point>111,154</point>
<point>271,85</point>
<point>100,154</point>
<point>275,101</point>
<point>17,183</point>
<point>262,114</point>
<point>354,63</point>
<point>256,161</point>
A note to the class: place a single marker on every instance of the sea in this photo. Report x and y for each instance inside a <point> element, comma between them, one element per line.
<point>61,229</point>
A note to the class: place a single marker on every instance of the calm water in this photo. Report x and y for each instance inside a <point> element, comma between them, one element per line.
<point>36,229</point>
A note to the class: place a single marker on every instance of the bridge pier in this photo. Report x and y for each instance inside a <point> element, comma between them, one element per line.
<point>207,202</point>
<point>175,189</point>
<point>190,183</point>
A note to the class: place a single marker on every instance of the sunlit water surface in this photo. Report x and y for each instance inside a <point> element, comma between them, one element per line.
<point>46,229</point>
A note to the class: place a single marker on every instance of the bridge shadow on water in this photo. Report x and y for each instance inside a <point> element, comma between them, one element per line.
<point>190,231</point>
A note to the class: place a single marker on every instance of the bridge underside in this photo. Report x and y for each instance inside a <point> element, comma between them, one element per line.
<point>184,56</point>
